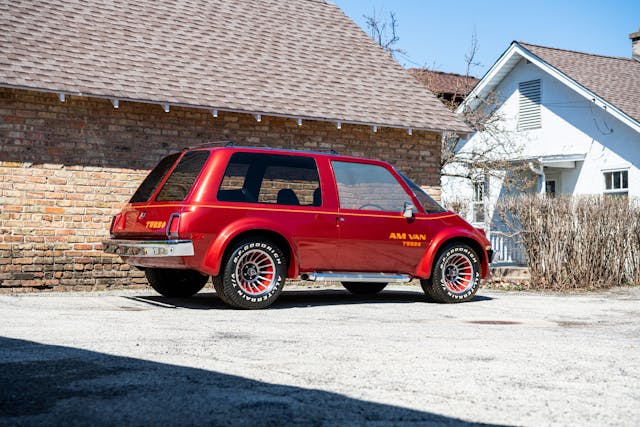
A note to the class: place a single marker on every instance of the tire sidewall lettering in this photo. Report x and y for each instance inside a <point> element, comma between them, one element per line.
<point>473,258</point>
<point>267,248</point>
<point>277,259</point>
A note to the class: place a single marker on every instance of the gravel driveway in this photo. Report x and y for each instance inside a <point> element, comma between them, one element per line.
<point>320,357</point>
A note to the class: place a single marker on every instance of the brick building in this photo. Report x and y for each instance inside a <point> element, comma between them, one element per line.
<point>93,94</point>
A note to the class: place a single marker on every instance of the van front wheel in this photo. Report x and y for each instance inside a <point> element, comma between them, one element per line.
<point>455,276</point>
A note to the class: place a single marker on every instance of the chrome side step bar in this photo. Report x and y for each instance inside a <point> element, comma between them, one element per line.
<point>348,276</point>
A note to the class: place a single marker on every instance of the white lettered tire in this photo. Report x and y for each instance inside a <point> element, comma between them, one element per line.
<point>254,274</point>
<point>455,276</point>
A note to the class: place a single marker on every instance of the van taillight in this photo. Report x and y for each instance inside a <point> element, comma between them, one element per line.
<point>173,227</point>
<point>113,221</point>
<point>116,223</point>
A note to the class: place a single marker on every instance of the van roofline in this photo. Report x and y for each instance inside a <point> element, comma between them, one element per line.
<point>232,145</point>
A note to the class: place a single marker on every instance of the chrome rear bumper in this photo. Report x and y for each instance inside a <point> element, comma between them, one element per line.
<point>148,248</point>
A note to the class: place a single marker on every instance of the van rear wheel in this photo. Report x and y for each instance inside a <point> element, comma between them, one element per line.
<point>253,275</point>
<point>174,283</point>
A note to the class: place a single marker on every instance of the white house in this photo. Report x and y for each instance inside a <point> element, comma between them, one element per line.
<point>574,121</point>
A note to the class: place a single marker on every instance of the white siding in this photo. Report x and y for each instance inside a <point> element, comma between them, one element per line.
<point>570,124</point>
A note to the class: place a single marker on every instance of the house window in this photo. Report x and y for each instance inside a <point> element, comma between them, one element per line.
<point>529,105</point>
<point>478,201</point>
<point>616,182</point>
<point>550,187</point>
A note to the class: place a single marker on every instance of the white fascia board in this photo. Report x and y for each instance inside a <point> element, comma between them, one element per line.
<point>562,158</point>
<point>549,159</point>
<point>487,79</point>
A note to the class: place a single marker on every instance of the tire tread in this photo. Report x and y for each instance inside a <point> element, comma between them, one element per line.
<point>433,287</point>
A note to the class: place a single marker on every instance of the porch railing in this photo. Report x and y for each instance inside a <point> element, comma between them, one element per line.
<point>507,249</point>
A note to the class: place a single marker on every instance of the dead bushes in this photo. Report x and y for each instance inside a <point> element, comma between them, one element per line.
<point>577,243</point>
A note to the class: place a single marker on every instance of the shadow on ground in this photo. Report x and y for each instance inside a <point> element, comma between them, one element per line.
<point>298,298</point>
<point>52,385</point>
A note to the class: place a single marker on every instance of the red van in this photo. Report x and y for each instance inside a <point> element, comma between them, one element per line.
<point>250,218</point>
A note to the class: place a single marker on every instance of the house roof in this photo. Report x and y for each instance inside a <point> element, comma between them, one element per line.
<point>612,83</point>
<point>615,79</point>
<point>440,82</point>
<point>298,58</point>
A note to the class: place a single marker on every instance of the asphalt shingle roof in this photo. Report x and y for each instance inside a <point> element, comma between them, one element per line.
<point>616,80</point>
<point>295,57</point>
<point>440,82</point>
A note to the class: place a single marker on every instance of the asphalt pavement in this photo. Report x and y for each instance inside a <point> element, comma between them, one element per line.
<point>320,357</point>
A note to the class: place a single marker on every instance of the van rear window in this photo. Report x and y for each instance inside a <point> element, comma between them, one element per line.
<point>181,180</point>
<point>155,177</point>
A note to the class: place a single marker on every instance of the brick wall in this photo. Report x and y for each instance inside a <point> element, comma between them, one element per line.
<point>66,168</point>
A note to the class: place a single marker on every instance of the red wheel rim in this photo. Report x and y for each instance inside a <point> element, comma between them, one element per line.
<point>256,272</point>
<point>457,273</point>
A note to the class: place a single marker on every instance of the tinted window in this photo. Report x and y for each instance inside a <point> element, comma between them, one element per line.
<point>368,187</point>
<point>233,187</point>
<point>151,182</point>
<point>428,204</point>
<point>271,178</point>
<point>183,176</point>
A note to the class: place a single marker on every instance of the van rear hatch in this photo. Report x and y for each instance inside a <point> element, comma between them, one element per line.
<point>155,208</point>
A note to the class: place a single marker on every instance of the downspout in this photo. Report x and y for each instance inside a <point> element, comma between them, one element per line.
<point>538,170</point>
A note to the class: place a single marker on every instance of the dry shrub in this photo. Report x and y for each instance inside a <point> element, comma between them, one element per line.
<point>457,205</point>
<point>577,243</point>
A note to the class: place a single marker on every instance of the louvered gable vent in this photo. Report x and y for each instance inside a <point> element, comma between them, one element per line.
<point>529,107</point>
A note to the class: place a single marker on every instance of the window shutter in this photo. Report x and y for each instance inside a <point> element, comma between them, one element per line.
<point>529,106</point>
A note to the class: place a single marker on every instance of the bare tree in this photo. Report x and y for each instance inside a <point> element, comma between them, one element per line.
<point>455,86</point>
<point>495,149</point>
<point>470,57</point>
<point>385,32</point>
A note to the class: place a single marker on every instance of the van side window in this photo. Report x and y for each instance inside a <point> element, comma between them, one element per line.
<point>271,179</point>
<point>368,187</point>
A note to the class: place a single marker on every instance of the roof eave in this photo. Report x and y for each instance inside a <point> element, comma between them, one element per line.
<point>482,87</point>
<point>374,125</point>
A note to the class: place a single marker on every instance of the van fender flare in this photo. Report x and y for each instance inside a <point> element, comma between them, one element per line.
<point>214,256</point>
<point>424,269</point>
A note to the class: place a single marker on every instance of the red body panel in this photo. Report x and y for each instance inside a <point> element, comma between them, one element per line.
<point>450,228</point>
<point>311,234</point>
<point>320,238</point>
